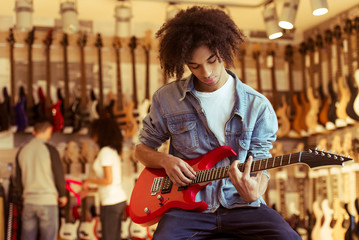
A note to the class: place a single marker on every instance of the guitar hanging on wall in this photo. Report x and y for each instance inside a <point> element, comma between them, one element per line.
<point>127,120</point>
<point>333,120</point>
<point>323,110</point>
<point>30,99</point>
<point>281,111</point>
<point>66,109</point>
<point>11,40</point>
<point>356,75</point>
<point>353,88</point>
<point>296,111</point>
<point>343,89</point>
<point>99,46</point>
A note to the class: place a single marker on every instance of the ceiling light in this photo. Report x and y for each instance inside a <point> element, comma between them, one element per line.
<point>123,15</point>
<point>68,11</point>
<point>23,9</point>
<point>289,13</point>
<point>320,7</point>
<point>271,22</point>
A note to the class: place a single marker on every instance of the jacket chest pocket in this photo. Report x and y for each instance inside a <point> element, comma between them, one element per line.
<point>184,135</point>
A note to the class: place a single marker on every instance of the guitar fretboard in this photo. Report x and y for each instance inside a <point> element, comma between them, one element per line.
<point>259,165</point>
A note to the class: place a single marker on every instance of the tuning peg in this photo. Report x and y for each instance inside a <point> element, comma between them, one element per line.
<point>310,150</point>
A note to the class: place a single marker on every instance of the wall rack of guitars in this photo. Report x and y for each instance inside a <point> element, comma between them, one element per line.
<point>76,78</point>
<point>313,87</point>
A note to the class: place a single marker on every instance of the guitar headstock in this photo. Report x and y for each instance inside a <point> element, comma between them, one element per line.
<point>303,48</point>
<point>48,40</point>
<point>328,37</point>
<point>99,43</point>
<point>30,37</point>
<point>316,158</point>
<point>319,41</point>
<point>133,43</point>
<point>310,44</point>
<point>289,53</point>
<point>11,39</point>
<point>117,43</point>
<point>348,28</point>
<point>147,41</point>
<point>337,32</point>
<point>356,24</point>
<point>82,40</point>
<point>65,40</point>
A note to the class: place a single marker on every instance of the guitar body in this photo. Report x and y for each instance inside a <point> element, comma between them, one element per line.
<point>68,230</point>
<point>323,112</point>
<point>338,232</point>
<point>326,230</point>
<point>159,203</point>
<point>311,119</point>
<point>318,216</point>
<point>88,229</point>
<point>343,101</point>
<point>298,117</point>
<point>283,120</point>
<point>356,100</point>
<point>305,107</point>
<point>21,118</point>
<point>56,116</point>
<point>353,89</point>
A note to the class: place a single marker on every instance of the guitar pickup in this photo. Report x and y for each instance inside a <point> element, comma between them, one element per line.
<point>156,185</point>
<point>167,185</point>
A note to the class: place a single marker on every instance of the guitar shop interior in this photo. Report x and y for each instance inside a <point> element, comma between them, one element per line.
<point>67,63</point>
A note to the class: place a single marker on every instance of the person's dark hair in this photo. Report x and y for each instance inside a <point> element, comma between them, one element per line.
<point>192,28</point>
<point>41,125</point>
<point>108,133</point>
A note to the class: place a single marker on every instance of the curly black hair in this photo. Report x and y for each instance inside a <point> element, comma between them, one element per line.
<point>108,133</point>
<point>192,28</point>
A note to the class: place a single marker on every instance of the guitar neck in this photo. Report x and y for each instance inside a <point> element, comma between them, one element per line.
<point>30,99</point>
<point>259,165</point>
<point>83,78</point>
<point>99,53</point>
<point>11,41</point>
<point>147,80</point>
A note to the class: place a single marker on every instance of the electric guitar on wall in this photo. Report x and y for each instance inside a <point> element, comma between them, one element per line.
<point>281,111</point>
<point>303,93</point>
<point>356,75</point>
<point>353,88</point>
<point>154,193</point>
<point>343,89</point>
<point>29,99</point>
<point>99,46</point>
<point>333,120</point>
<point>127,121</point>
<point>11,40</point>
<point>143,108</point>
<point>66,109</point>
<point>311,118</point>
<point>296,110</point>
<point>323,111</point>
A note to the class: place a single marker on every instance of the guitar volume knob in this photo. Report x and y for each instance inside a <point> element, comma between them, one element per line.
<point>160,198</point>
<point>146,210</point>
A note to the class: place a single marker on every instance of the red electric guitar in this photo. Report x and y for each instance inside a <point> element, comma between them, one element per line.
<point>154,193</point>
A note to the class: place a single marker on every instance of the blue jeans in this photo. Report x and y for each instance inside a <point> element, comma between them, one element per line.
<point>238,223</point>
<point>45,218</point>
<point>111,217</point>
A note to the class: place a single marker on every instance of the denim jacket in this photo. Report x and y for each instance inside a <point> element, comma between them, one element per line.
<point>176,114</point>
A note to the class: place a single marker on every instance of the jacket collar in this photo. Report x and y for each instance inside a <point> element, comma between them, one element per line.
<point>240,99</point>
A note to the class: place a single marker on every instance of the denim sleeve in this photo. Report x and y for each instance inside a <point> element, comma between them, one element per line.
<point>154,131</point>
<point>264,134</point>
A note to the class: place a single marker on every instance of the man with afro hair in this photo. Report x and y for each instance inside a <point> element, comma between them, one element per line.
<point>210,108</point>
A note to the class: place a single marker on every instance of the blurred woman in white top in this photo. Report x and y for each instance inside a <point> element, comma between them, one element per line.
<point>107,166</point>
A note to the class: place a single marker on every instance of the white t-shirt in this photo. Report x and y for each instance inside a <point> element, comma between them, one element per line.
<point>218,106</point>
<point>113,193</point>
